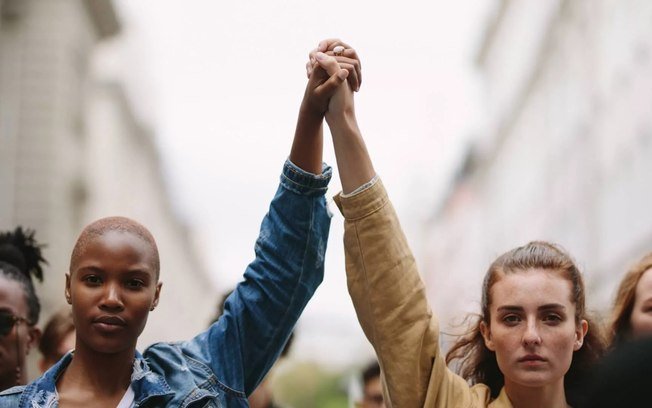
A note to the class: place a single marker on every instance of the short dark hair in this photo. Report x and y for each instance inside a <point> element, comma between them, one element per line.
<point>102,226</point>
<point>371,371</point>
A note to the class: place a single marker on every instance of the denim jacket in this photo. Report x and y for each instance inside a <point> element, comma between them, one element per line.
<point>222,365</point>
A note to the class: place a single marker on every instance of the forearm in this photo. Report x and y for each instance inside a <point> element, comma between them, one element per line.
<point>353,161</point>
<point>307,148</point>
<point>289,265</point>
<point>388,295</point>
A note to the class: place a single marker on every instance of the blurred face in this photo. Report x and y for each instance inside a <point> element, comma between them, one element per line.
<point>641,318</point>
<point>67,343</point>
<point>532,328</point>
<point>19,337</point>
<point>112,291</point>
<point>373,394</point>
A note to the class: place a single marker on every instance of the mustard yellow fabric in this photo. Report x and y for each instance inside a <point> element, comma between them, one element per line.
<point>390,301</point>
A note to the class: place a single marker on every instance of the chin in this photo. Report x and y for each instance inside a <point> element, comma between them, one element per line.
<point>535,379</point>
<point>110,346</point>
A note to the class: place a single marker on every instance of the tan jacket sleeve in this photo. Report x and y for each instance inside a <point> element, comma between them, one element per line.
<point>391,304</point>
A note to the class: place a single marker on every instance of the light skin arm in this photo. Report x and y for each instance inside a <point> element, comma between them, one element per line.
<point>382,277</point>
<point>306,149</point>
<point>353,161</point>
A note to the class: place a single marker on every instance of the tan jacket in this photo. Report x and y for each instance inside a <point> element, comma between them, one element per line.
<point>390,301</point>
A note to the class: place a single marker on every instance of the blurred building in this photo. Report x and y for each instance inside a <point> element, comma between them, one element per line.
<point>71,151</point>
<point>565,154</point>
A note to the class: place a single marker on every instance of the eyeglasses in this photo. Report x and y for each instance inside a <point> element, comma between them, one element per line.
<point>8,321</point>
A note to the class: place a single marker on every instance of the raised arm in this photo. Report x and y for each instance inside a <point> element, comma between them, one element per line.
<point>263,309</point>
<point>384,284</point>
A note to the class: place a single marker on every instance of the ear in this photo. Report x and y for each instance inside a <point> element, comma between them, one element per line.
<point>157,295</point>
<point>485,330</point>
<point>33,338</point>
<point>67,290</point>
<point>580,332</point>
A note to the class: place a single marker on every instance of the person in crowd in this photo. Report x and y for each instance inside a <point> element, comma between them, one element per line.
<point>533,341</point>
<point>632,312</point>
<point>113,284</point>
<point>372,387</point>
<point>57,339</point>
<point>623,377</point>
<point>20,261</point>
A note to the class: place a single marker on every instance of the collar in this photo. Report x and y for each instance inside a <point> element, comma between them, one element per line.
<point>145,383</point>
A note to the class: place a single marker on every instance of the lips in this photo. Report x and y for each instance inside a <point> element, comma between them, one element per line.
<point>110,320</point>
<point>109,324</point>
<point>531,358</point>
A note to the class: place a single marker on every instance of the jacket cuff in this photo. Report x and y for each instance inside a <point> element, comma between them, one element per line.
<point>364,203</point>
<point>305,183</point>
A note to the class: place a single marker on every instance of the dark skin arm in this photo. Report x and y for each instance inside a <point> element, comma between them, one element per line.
<point>353,160</point>
<point>325,75</point>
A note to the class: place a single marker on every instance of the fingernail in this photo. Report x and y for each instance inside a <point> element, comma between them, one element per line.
<point>320,56</point>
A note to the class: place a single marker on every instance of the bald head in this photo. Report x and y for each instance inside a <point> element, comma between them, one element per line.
<point>100,227</point>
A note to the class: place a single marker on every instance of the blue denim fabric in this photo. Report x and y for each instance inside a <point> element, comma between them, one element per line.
<point>222,365</point>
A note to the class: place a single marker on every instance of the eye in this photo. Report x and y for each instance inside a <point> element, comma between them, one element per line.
<point>511,319</point>
<point>135,284</point>
<point>553,318</point>
<point>92,280</point>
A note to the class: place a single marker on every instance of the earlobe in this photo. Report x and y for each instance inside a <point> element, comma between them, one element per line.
<point>157,294</point>
<point>486,335</point>
<point>34,338</point>
<point>580,333</point>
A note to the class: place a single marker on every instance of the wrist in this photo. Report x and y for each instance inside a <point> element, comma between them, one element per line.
<point>310,112</point>
<point>343,119</point>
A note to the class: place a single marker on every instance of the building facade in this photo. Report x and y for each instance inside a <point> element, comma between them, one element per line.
<point>72,150</point>
<point>565,154</point>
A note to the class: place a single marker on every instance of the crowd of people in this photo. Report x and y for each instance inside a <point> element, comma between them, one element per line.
<point>533,343</point>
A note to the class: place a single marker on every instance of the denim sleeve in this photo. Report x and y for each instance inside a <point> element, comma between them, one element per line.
<point>262,311</point>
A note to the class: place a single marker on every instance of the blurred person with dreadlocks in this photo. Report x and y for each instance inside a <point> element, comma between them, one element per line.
<point>20,259</point>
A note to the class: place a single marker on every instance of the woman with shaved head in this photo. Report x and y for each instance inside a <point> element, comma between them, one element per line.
<point>113,284</point>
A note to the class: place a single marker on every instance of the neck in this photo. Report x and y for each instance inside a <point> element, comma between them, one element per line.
<point>547,396</point>
<point>98,373</point>
<point>12,378</point>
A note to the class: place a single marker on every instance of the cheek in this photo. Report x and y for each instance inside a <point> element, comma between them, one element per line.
<point>641,323</point>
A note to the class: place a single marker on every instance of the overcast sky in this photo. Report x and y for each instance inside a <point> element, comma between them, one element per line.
<point>220,84</point>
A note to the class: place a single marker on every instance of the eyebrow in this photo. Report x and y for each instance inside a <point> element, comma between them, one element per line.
<point>514,308</point>
<point>95,269</point>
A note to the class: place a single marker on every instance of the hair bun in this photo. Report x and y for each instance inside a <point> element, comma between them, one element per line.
<point>20,249</point>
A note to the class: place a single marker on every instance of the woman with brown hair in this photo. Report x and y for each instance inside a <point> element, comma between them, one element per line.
<point>531,345</point>
<point>632,314</point>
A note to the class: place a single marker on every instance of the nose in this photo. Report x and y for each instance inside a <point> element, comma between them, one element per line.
<point>531,335</point>
<point>112,298</point>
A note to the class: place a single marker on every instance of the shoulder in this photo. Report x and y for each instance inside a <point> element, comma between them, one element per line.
<point>17,390</point>
<point>11,396</point>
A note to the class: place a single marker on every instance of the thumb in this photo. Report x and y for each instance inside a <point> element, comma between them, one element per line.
<point>328,88</point>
